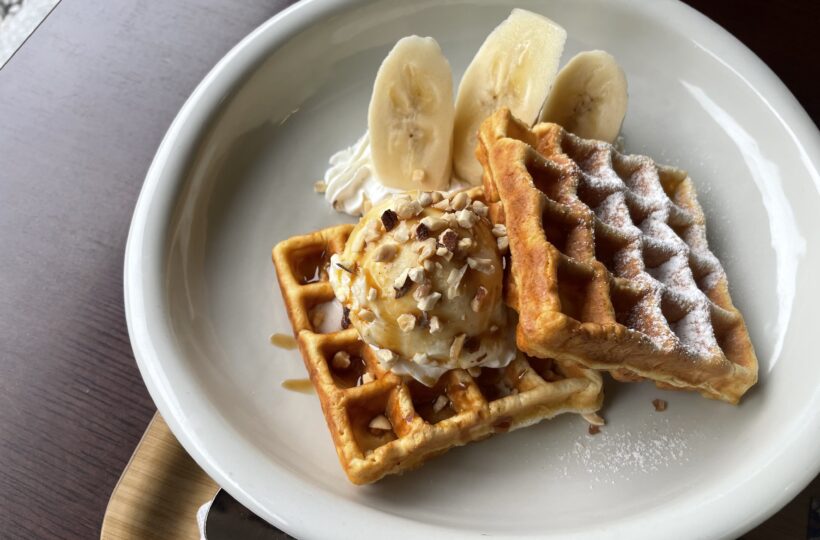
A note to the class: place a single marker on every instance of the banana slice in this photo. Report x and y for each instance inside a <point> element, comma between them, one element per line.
<point>589,97</point>
<point>410,118</point>
<point>514,68</point>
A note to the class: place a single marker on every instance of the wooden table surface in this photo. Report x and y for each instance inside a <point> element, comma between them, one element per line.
<point>83,106</point>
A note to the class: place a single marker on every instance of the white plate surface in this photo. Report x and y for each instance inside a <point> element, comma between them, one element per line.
<point>234,176</point>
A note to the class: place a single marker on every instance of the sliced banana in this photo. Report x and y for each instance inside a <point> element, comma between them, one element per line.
<point>514,68</point>
<point>589,97</point>
<point>410,118</point>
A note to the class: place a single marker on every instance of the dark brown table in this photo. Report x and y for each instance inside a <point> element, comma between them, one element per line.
<point>83,106</point>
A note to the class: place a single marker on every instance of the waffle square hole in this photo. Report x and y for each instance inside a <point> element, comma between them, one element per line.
<point>548,179</point>
<point>672,310</point>
<point>347,367</point>
<point>493,384</point>
<point>370,422</point>
<point>671,180</point>
<point>326,317</point>
<point>546,368</point>
<point>606,248</point>
<point>625,302</point>
<point>573,291</point>
<point>309,265</point>
<point>432,404</point>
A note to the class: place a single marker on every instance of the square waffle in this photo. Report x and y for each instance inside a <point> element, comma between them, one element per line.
<point>612,251</point>
<point>421,423</point>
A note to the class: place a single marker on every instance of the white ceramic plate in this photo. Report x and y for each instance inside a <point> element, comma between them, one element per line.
<point>234,176</point>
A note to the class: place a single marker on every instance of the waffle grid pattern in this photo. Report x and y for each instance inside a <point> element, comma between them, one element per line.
<point>498,400</point>
<point>612,251</point>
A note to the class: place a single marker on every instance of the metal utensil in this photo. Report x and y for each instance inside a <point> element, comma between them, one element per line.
<point>228,519</point>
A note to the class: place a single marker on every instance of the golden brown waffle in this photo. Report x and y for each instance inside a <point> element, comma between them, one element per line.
<point>612,252</point>
<point>498,400</point>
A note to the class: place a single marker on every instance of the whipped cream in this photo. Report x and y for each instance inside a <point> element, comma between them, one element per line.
<point>351,180</point>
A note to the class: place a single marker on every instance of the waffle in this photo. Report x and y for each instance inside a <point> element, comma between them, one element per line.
<point>612,252</point>
<point>421,425</point>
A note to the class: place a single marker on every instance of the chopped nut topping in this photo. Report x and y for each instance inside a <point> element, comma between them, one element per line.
<point>440,403</point>
<point>422,291</point>
<point>433,223</point>
<point>408,209</point>
<point>386,357</point>
<point>425,199</point>
<point>366,315</point>
<point>427,303</point>
<point>477,303</point>
<point>426,249</point>
<point>418,176</point>
<point>480,208</point>
<point>429,266</point>
<point>402,283</point>
<point>341,360</point>
<point>367,378</point>
<point>435,325</point>
<point>380,423</point>
<point>386,252</point>
<point>389,220</point>
<point>406,322</point>
<point>437,196</point>
<point>660,405</point>
<point>422,232</point>
<point>593,429</point>
<point>441,251</point>
<point>455,276</point>
<point>460,200</point>
<point>401,234</point>
<point>416,275</point>
<point>319,187</point>
<point>438,266</point>
<point>345,318</point>
<point>474,371</point>
<point>458,344</point>
<point>466,218</point>
<point>443,204</point>
<point>421,359</point>
<point>465,244</point>
<point>485,266</point>
<point>449,239</point>
<point>372,294</point>
<point>493,328</point>
<point>371,231</point>
<point>450,219</point>
<point>503,243</point>
<point>499,230</point>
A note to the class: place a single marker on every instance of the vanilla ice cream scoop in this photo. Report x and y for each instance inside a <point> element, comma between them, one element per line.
<point>422,277</point>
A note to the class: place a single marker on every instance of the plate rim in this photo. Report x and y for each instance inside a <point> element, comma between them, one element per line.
<point>145,238</point>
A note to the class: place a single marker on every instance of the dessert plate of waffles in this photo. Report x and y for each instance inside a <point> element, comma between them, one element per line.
<point>474,269</point>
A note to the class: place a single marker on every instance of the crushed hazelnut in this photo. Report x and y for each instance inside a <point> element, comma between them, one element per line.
<point>428,302</point>
<point>366,315</point>
<point>426,249</point>
<point>457,346</point>
<point>440,403</point>
<point>371,231</point>
<point>660,405</point>
<point>465,244</point>
<point>389,220</point>
<point>435,325</point>
<point>401,233</point>
<point>441,251</point>
<point>422,232</point>
<point>443,204</point>
<point>593,429</point>
<point>503,243</point>
<point>437,196</point>
<point>341,360</point>
<point>425,199</point>
<point>450,219</point>
<point>386,357</point>
<point>485,266</point>
<point>386,252</point>
<point>380,423</point>
<point>422,291</point>
<point>428,266</point>
<point>319,187</point>
<point>408,209</point>
<point>499,230</point>
<point>402,284</point>
<point>433,223</point>
<point>477,303</point>
<point>460,200</point>
<point>480,208</point>
<point>466,218</point>
<point>421,359</point>
<point>449,239</point>
<point>416,275</point>
<point>367,378</point>
<point>406,322</point>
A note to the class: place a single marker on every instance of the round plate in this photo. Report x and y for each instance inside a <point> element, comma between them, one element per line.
<point>234,175</point>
